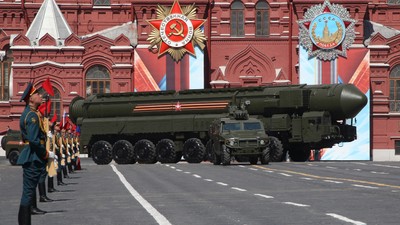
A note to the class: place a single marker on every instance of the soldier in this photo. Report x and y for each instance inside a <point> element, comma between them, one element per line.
<point>65,156</point>
<point>59,153</point>
<point>34,156</point>
<point>50,180</point>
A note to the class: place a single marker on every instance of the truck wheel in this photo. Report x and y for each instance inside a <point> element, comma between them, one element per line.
<point>102,152</point>
<point>276,149</point>
<point>145,152</point>
<point>166,151</point>
<point>253,160</point>
<point>193,150</point>
<point>265,156</point>
<point>299,153</point>
<point>13,157</point>
<point>225,156</point>
<point>122,152</point>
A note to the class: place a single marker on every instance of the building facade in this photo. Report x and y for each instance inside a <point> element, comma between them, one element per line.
<point>95,46</point>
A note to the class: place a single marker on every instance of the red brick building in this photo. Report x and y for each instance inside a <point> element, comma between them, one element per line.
<point>93,46</point>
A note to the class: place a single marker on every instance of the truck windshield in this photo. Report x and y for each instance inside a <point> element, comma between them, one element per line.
<point>252,126</point>
<point>231,126</point>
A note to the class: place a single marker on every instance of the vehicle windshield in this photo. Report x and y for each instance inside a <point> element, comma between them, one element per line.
<point>231,126</point>
<point>252,126</point>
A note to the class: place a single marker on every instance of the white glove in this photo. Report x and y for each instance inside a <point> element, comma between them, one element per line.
<point>68,146</point>
<point>49,134</point>
<point>63,155</point>
<point>51,155</point>
<point>55,157</point>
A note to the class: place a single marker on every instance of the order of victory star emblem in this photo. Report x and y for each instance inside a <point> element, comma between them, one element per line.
<point>176,31</point>
<point>327,31</point>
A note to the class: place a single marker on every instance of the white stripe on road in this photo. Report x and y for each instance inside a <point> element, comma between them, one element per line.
<point>285,174</point>
<point>264,196</point>
<point>333,181</point>
<point>223,184</point>
<point>295,204</point>
<point>364,186</point>
<point>345,219</point>
<point>146,205</point>
<point>197,176</point>
<point>238,189</point>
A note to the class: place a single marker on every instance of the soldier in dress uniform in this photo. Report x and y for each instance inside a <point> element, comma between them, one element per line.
<point>34,155</point>
<point>50,180</point>
<point>65,156</point>
<point>59,153</point>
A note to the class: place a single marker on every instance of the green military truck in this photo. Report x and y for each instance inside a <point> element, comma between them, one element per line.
<point>241,138</point>
<point>12,144</point>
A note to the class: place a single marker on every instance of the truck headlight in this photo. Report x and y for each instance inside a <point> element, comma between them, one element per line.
<point>231,142</point>
<point>262,142</point>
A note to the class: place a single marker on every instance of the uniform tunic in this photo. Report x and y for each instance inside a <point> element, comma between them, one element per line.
<point>33,157</point>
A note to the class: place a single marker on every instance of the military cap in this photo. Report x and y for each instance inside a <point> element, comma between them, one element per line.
<point>29,91</point>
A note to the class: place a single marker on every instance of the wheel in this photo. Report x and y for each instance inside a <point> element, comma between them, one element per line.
<point>299,153</point>
<point>102,152</point>
<point>166,152</point>
<point>122,152</point>
<point>145,152</point>
<point>275,149</point>
<point>13,157</point>
<point>193,150</point>
<point>225,156</point>
<point>253,160</point>
<point>265,156</point>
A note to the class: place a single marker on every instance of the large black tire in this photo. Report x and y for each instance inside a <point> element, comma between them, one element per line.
<point>122,152</point>
<point>225,156</point>
<point>166,152</point>
<point>145,152</point>
<point>275,149</point>
<point>102,152</point>
<point>13,157</point>
<point>299,153</point>
<point>253,160</point>
<point>193,150</point>
<point>265,156</point>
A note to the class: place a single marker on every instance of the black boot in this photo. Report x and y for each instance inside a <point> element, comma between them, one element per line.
<point>65,172</point>
<point>70,168</point>
<point>42,193</point>
<point>59,179</point>
<point>34,209</point>
<point>50,185</point>
<point>24,215</point>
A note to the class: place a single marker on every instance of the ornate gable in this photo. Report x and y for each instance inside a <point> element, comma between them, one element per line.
<point>122,40</point>
<point>378,39</point>
<point>21,40</point>
<point>72,40</point>
<point>250,67</point>
<point>47,40</point>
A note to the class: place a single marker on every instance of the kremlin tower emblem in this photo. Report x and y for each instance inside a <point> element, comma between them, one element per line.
<point>326,31</point>
<point>176,31</point>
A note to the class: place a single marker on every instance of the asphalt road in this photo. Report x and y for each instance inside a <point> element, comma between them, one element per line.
<point>197,194</point>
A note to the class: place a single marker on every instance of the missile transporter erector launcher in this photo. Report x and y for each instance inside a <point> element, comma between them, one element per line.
<point>163,126</point>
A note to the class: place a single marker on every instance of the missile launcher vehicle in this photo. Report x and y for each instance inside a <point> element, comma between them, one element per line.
<point>164,125</point>
<point>13,145</point>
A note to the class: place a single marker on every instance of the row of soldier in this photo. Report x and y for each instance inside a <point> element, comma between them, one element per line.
<point>50,150</point>
<point>64,143</point>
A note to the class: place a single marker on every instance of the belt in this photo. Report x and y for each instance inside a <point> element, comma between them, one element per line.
<point>41,142</point>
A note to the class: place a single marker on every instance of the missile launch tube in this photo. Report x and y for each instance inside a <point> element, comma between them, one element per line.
<point>343,101</point>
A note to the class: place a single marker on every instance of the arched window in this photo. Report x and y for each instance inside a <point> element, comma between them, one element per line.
<point>6,60</point>
<point>97,80</point>
<point>237,19</point>
<point>262,18</point>
<point>394,95</point>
